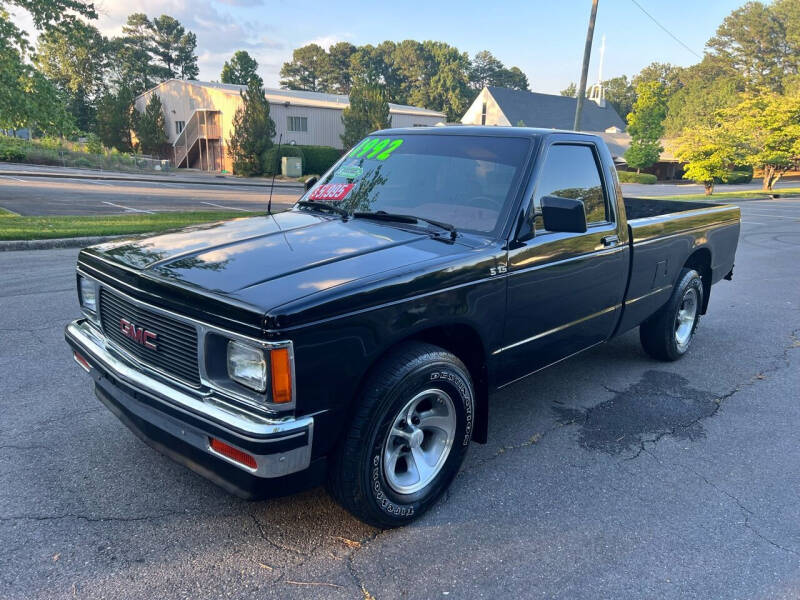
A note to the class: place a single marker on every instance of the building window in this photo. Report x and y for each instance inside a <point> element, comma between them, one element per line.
<point>179,125</point>
<point>483,114</point>
<point>297,123</point>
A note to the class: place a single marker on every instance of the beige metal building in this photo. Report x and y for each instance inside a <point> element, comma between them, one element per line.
<point>199,116</point>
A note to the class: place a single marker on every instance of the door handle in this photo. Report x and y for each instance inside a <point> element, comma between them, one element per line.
<point>610,241</point>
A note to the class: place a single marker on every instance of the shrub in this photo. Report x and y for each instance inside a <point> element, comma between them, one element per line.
<point>271,159</point>
<point>739,175</point>
<point>319,159</point>
<point>93,144</point>
<point>631,177</point>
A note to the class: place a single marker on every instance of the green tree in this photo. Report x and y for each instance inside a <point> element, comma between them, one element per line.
<point>646,125</point>
<point>513,78</point>
<point>668,75</point>
<point>74,60</point>
<point>27,98</point>
<point>386,65</point>
<point>240,69</point>
<point>115,119</point>
<point>768,128</point>
<point>307,69</point>
<point>448,90</point>
<point>174,48</point>
<point>753,41</point>
<point>705,88</point>
<point>485,70</point>
<point>133,58</point>
<point>337,77</point>
<point>708,154</point>
<point>253,130</point>
<point>150,127</point>
<point>620,94</point>
<point>643,153</point>
<point>368,111</point>
<point>571,91</point>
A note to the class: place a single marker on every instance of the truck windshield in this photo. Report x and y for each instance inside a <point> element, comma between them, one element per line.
<point>466,181</point>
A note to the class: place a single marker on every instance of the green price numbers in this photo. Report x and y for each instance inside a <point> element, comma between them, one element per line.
<point>377,148</point>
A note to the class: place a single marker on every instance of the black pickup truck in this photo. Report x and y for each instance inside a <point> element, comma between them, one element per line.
<point>357,337</point>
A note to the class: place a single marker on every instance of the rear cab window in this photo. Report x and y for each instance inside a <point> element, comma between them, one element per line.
<point>467,181</point>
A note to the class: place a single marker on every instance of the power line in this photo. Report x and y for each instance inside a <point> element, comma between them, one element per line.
<point>667,31</point>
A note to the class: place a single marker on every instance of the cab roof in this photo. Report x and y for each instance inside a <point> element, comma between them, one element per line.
<point>482,130</point>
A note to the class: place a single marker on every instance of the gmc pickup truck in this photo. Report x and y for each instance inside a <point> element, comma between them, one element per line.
<point>355,339</point>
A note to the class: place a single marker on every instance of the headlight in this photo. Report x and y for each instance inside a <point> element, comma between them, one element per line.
<point>247,365</point>
<point>87,293</point>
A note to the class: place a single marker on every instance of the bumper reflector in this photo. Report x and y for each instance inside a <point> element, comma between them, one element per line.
<point>82,362</point>
<point>281,376</point>
<point>234,454</point>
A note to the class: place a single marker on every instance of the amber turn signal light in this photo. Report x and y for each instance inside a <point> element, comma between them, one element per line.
<point>281,376</point>
<point>234,454</point>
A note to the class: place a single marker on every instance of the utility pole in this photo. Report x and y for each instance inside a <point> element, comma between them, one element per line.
<point>587,53</point>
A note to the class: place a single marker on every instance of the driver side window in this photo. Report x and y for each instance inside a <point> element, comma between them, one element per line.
<point>572,171</point>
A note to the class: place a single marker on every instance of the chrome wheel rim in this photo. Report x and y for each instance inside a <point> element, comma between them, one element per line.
<point>419,441</point>
<point>684,320</point>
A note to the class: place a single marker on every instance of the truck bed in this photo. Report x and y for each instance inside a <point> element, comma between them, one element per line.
<point>639,208</point>
<point>663,234</point>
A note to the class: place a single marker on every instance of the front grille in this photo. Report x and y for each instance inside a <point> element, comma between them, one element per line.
<point>176,342</point>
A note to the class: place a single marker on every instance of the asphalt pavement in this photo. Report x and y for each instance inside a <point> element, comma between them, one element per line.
<point>609,475</point>
<point>59,195</point>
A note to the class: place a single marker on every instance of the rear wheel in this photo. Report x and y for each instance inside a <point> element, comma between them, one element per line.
<point>668,334</point>
<point>408,436</point>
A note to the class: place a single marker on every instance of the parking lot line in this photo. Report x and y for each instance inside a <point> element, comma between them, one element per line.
<point>773,216</point>
<point>14,178</point>
<point>128,208</point>
<point>225,207</point>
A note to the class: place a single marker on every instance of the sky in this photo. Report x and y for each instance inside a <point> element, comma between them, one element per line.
<point>544,38</point>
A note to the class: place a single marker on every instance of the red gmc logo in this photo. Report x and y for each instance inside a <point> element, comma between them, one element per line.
<point>140,335</point>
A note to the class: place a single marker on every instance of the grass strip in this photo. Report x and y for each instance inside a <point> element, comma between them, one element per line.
<point>744,195</point>
<point>16,227</point>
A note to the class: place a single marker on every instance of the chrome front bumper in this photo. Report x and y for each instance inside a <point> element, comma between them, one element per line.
<point>143,402</point>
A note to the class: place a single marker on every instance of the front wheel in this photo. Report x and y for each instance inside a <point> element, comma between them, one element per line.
<point>408,436</point>
<point>668,334</point>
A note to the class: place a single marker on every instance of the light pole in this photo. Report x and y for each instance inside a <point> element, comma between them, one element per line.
<point>587,53</point>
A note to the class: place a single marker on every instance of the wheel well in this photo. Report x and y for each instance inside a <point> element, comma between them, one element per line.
<point>700,261</point>
<point>465,343</point>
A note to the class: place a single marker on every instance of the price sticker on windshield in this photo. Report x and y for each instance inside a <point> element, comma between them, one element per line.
<point>331,192</point>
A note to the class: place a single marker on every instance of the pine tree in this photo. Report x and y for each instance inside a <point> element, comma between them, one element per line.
<point>253,130</point>
<point>151,128</point>
<point>368,111</point>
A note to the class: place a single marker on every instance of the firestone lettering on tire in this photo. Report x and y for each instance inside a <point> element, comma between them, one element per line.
<point>463,389</point>
<point>386,504</point>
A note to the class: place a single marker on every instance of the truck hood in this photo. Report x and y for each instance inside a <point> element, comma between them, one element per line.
<point>268,261</point>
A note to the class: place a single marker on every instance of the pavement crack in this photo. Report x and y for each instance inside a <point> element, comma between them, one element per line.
<point>91,519</point>
<point>351,567</point>
<point>748,513</point>
<point>30,447</point>
<point>277,545</point>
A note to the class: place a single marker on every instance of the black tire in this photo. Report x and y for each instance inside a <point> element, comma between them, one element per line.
<point>659,333</point>
<point>356,477</point>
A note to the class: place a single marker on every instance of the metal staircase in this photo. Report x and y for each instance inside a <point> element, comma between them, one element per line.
<point>199,144</point>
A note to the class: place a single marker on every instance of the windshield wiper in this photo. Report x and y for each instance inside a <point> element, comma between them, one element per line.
<point>399,218</point>
<point>323,206</point>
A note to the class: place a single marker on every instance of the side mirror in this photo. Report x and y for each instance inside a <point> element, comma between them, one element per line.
<point>310,182</point>
<point>563,214</point>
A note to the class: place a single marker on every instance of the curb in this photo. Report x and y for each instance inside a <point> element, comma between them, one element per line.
<point>165,179</point>
<point>76,242</point>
